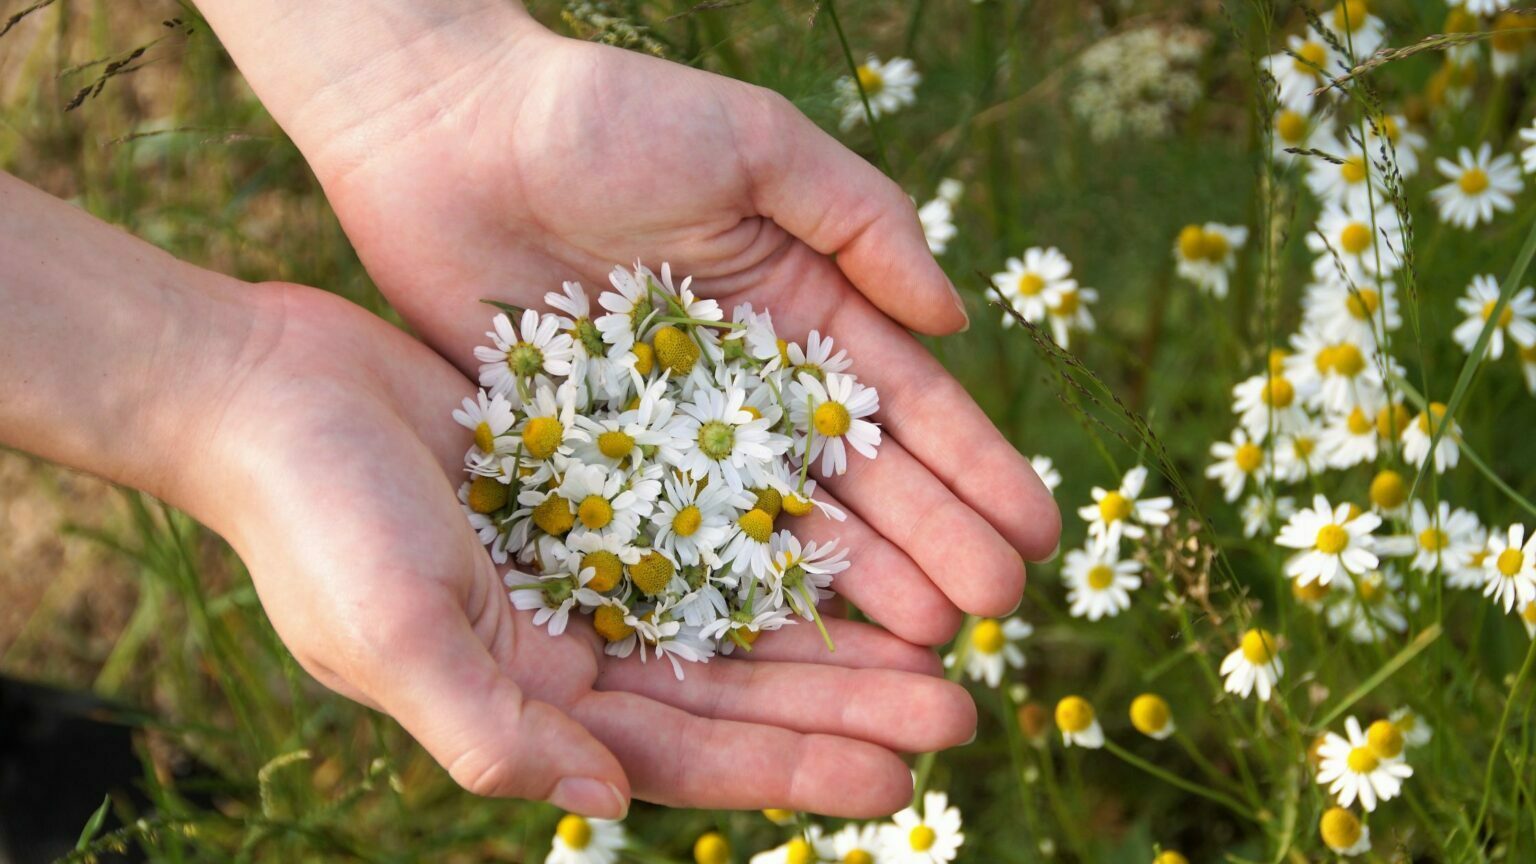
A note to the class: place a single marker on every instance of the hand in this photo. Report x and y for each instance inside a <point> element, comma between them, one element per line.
<point>481,156</point>
<point>328,468</point>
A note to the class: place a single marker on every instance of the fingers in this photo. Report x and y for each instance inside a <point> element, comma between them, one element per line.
<point>432,673</point>
<point>855,645</point>
<point>838,204</point>
<point>902,711</point>
<point>680,760</point>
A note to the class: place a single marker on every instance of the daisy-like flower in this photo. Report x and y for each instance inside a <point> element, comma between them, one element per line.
<point>733,446</point>
<point>1415,731</point>
<point>1510,38</point>
<point>1360,32</point>
<point>1528,155</point>
<point>630,310</point>
<point>816,358</point>
<point>1349,439</point>
<point>1268,402</point>
<point>1335,376</point>
<point>888,86</point>
<point>607,502</point>
<point>599,560</point>
<point>692,523</point>
<point>600,369</point>
<point>749,548</point>
<point>932,837</point>
<point>1480,7</point>
<point>1332,540</point>
<point>1207,254</point>
<point>713,848</point>
<point>549,597</point>
<point>992,649</point>
<point>579,840</point>
<point>835,413</point>
<point>1343,832</point>
<point>1255,665</point>
<point>549,431</point>
<point>620,439</point>
<point>1235,463</point>
<point>743,626</point>
<point>489,417</point>
<point>1353,768</point>
<point>1300,69</point>
<point>856,844</point>
<point>1295,130</point>
<point>1510,568</point>
<point>799,574</point>
<point>1070,314</point>
<point>1528,618</point>
<point>1528,368</point>
<point>1390,137</point>
<point>1033,284</point>
<point>798,499</point>
<point>1351,181</point>
<point>1514,319</point>
<point>1078,724</point>
<point>1260,512</point>
<point>1480,184</point>
<point>938,219</point>
<point>1045,469</point>
<point>1365,245</point>
<point>1099,585</point>
<point>516,356</point>
<point>1299,453</point>
<point>1370,610</point>
<point>1123,512</point>
<point>1151,716</point>
<point>806,849</point>
<point>1418,435</point>
<point>1388,493</point>
<point>1358,311</point>
<point>1439,539</point>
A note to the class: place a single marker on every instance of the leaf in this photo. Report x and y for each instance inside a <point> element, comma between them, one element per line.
<point>93,824</point>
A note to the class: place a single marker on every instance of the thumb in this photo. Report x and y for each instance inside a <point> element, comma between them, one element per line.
<point>435,676</point>
<point>838,204</point>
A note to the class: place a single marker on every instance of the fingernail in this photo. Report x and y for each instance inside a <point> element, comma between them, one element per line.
<point>960,304</point>
<point>590,797</point>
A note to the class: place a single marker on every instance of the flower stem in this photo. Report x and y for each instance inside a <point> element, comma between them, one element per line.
<point>1498,740</point>
<point>1175,780</point>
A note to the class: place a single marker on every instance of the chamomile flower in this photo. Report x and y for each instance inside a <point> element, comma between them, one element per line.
<point>1332,541</point>
<point>1343,832</point>
<point>1151,716</point>
<point>630,309</point>
<point>1370,609</point>
<point>817,357</point>
<point>888,86</point>
<point>1296,130</point>
<point>799,574</point>
<point>1347,179</point>
<point>549,430</point>
<point>1298,454</point>
<point>1254,666</point>
<point>732,446</point>
<point>1261,510</point>
<point>1045,469</point>
<point>1528,618</point>
<point>797,498</point>
<point>1353,768</point>
<point>833,417</point>
<point>1514,321</point>
<point>1268,402</point>
<point>549,597</point>
<point>1393,141</point>
<point>1510,568</point>
<point>621,439</point>
<point>1301,69</point>
<point>1099,584</point>
<point>1235,463</point>
<point>1528,368</point>
<point>749,547</point>
<point>805,849</point>
<point>1206,254</point>
<point>930,837</point>
<point>1123,512</point>
<point>489,417</point>
<point>938,220</point>
<point>1078,724</point>
<point>1364,244</point>
<point>991,649</point>
<point>1358,311</point>
<point>600,369</point>
<point>1070,314</point>
<point>694,522</point>
<point>1480,184</point>
<point>516,356</point>
<point>1439,541</point>
<point>579,840</point>
<point>1528,155</point>
<point>744,626</point>
<point>1480,7</point>
<point>856,844</point>
<point>1335,376</point>
<point>1416,732</point>
<point>1419,434</point>
<point>1508,44</point>
<point>1360,32</point>
<point>1349,439</point>
<point>606,502</point>
<point>599,560</point>
<point>1034,283</point>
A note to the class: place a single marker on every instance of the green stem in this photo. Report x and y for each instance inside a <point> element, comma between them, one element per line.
<point>1498,740</point>
<point>853,69</point>
<point>1175,780</point>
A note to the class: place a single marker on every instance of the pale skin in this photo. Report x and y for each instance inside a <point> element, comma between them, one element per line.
<point>470,154</point>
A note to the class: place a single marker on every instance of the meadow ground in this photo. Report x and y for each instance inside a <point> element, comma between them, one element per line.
<point>1147,142</point>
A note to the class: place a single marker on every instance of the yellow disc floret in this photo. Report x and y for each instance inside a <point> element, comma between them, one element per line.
<point>1258,647</point>
<point>987,636</point>
<point>1150,714</point>
<point>1350,15</point>
<point>1363,303</point>
<point>712,848</point>
<point>609,623</point>
<point>1388,489</point>
<point>652,573</point>
<point>543,436</point>
<point>1340,828</point>
<point>574,831</point>
<point>1391,421</point>
<point>1506,315</point>
<point>595,512</point>
<point>675,351</point>
<point>870,81</point>
<point>606,568</point>
<point>1030,284</point>
<point>1248,457</point>
<point>922,838</point>
<point>1362,760</point>
<point>858,856</point>
<point>1353,169</point>
<point>645,358</point>
<point>484,438</point>
<point>1074,714</point>
<point>1113,507</point>
<point>831,419</point>
<point>1168,856</point>
<point>1355,237</point>
<point>1278,392</point>
<point>798,851</point>
<point>756,524</point>
<point>768,500</point>
<point>795,505</point>
<point>1510,562</point>
<point>1385,739</point>
<point>554,516</point>
<point>1332,539</point>
<point>1100,576</point>
<point>1311,57</point>
<point>615,444</point>
<point>687,521</point>
<point>1473,181</point>
<point>487,494</point>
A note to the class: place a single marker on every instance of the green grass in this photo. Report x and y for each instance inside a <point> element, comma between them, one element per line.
<point>178,151</point>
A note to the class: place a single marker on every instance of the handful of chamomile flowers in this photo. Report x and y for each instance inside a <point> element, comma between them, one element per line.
<point>635,458</point>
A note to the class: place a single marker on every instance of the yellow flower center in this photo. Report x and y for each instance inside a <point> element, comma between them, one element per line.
<point>1113,507</point>
<point>1385,739</point>
<point>1510,562</point>
<point>1350,15</point>
<point>1348,359</point>
<point>1510,33</point>
<point>1170,857</point>
<point>1258,647</point>
<point>1074,714</point>
<point>652,573</point>
<point>717,439</point>
<point>1390,422</point>
<point>1371,588</point>
<point>1473,181</point>
<point>484,439</point>
<point>858,856</point>
<point>794,505</point>
<point>1303,446</point>
<point>1353,169</point>
<point>797,851</point>
<point>1355,237</point>
<point>1428,425</point>
<point>543,436</point>
<point>645,358</point>
<point>1030,284</point>
<point>595,512</point>
<point>831,420</point>
<point>712,848</point>
<point>674,350</point>
<point>1192,242</point>
<point>1340,828</point>
<point>1149,713</point>
<point>768,500</point>
<point>1332,539</point>
<point>1388,490</point>
<point>1277,361</point>
<point>1100,576</point>
<point>987,636</point>
<point>553,516</point>
<point>1362,304</point>
<point>922,838</point>
<point>1291,127</point>
<point>756,524</point>
<point>1359,424</point>
<point>487,494</point>
<point>609,623</point>
<point>1362,761</point>
<point>687,521</point>
<point>1248,457</point>
<point>1506,315</point>
<point>1529,612</point>
<point>1278,392</point>
<point>1310,58</point>
<point>1309,593</point>
<point>1067,304</point>
<point>615,444</point>
<point>574,831</point>
<point>1390,129</point>
<point>870,81</point>
<point>756,414</point>
<point>607,570</point>
<point>1432,539</point>
<point>1215,246</point>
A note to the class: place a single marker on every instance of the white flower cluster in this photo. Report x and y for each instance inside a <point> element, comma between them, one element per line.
<point>1134,83</point>
<point>635,458</point>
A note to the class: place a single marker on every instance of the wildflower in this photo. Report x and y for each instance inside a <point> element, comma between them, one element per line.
<point>932,837</point>
<point>1122,511</point>
<point>1528,618</point>
<point>1099,585</point>
<point>1510,568</point>
<point>1236,462</point>
<point>1359,31</point>
<point>1479,185</point>
<point>799,850</point>
<point>1388,493</point>
<point>1393,140</point>
<point>1261,510</point>
<point>1441,540</point>
<point>1078,725</point>
<point>1335,376</point>
<point>1298,454</point>
<point>1135,81</point>
<point>579,840</point>
<point>1370,610</point>
<point>550,597</point>
<point>1354,767</point>
<point>1295,130</point>
<point>992,649</point>
<point>938,220</point>
<point>1358,310</point>
<point>1255,665</point>
<point>1511,37</point>
<point>1348,179</point>
<point>712,848</point>
<point>856,844</point>
<point>1349,439</point>
<point>1299,70</point>
<point>1206,254</point>
<point>1418,435</point>
<point>1070,314</point>
<point>1169,856</point>
<point>1033,284</point>
<point>516,356</point>
<point>1151,716</point>
<point>1479,7</point>
<point>1514,319</point>
<point>888,86</point>
<point>1365,243</point>
<point>489,417</point>
<point>1528,155</point>
<point>799,574</point>
<point>1045,469</point>
<point>733,446</point>
<point>1343,832</point>
<point>832,417</point>
<point>1332,541</point>
<point>1268,402</point>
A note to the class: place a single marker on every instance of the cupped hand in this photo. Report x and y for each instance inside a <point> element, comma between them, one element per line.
<point>341,500</point>
<point>538,159</point>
